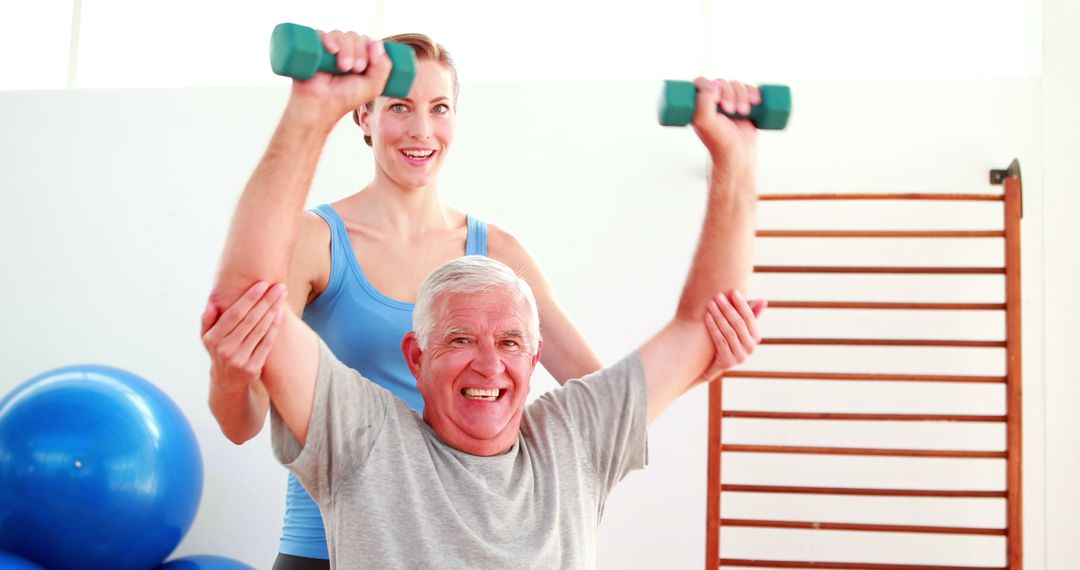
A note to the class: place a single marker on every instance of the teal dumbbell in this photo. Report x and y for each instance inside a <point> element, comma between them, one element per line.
<point>679,98</point>
<point>296,51</point>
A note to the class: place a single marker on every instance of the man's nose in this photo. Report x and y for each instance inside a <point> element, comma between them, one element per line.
<point>487,361</point>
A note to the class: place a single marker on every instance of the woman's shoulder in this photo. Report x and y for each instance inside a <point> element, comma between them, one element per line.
<point>314,231</point>
<point>311,254</point>
<point>504,246</point>
<point>502,241</point>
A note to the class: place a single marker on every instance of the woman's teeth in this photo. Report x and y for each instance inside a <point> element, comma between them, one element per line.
<point>417,154</point>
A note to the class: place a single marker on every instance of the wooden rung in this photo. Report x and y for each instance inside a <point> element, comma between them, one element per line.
<point>885,342</point>
<point>920,529</point>
<point>844,565</point>
<point>966,454</point>
<point>860,417</point>
<point>875,196</point>
<point>779,375</point>
<point>872,270</point>
<point>794,490</point>
<point>881,233</point>
<point>886,306</point>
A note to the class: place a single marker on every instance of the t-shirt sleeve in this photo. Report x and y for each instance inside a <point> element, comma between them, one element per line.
<point>347,416</point>
<point>608,410</point>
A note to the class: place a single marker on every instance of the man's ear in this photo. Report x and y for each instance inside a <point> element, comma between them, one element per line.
<point>410,347</point>
<point>539,347</point>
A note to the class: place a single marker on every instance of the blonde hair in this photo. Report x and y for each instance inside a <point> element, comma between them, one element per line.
<point>426,49</point>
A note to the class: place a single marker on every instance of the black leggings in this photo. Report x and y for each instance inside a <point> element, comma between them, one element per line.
<point>289,562</point>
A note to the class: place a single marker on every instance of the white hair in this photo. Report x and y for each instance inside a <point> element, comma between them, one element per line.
<point>469,274</point>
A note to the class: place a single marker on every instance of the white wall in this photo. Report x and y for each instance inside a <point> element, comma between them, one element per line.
<point>1061,280</point>
<point>118,203</point>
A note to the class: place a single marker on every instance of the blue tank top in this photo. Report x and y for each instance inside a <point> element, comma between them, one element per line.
<point>363,328</point>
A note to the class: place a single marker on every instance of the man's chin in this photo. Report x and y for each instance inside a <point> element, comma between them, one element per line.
<point>488,440</point>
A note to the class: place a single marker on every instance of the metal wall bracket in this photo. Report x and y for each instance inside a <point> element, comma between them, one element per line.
<point>997,177</point>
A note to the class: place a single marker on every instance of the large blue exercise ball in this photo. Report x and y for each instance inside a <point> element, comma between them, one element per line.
<point>12,562</point>
<point>98,469</point>
<point>204,562</point>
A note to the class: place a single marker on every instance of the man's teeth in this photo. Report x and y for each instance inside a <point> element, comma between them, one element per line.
<point>478,394</point>
<point>418,153</point>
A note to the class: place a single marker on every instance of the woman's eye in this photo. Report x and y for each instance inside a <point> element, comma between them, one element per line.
<point>442,108</point>
<point>398,108</point>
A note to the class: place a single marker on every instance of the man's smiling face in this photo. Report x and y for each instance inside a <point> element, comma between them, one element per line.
<point>474,375</point>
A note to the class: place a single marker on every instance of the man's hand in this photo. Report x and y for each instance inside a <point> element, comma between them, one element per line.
<point>240,339</point>
<point>326,98</point>
<point>732,324</point>
<point>725,138</point>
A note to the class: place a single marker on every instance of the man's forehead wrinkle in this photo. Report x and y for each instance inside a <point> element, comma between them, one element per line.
<point>513,332</point>
<point>458,330</point>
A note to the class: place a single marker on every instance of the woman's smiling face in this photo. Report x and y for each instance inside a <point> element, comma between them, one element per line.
<point>411,136</point>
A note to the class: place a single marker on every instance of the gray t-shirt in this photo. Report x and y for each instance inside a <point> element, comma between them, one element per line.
<point>393,495</point>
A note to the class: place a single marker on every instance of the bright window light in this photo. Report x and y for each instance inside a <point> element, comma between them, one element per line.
<point>875,39</point>
<point>35,38</point>
<point>494,40</point>
<point>150,43</point>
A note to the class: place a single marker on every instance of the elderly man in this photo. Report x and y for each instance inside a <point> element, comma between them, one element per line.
<point>481,480</point>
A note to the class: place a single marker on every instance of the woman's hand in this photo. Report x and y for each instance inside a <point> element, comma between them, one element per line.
<point>240,339</point>
<point>732,324</point>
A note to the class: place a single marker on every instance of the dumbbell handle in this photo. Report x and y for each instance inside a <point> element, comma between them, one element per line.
<point>297,51</point>
<point>679,100</point>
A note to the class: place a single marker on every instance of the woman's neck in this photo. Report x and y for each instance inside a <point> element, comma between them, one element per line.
<point>396,209</point>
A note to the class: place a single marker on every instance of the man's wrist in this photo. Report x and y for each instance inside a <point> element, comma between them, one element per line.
<point>735,178</point>
<point>308,115</point>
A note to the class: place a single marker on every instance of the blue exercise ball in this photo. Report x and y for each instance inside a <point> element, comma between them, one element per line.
<point>12,562</point>
<point>98,469</point>
<point>204,562</point>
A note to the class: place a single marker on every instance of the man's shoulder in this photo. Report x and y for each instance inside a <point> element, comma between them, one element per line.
<point>602,386</point>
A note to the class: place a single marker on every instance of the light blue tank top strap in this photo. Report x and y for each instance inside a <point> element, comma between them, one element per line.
<point>363,328</point>
<point>476,243</point>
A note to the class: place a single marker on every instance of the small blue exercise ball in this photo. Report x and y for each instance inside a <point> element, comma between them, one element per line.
<point>12,562</point>
<point>98,469</point>
<point>204,562</point>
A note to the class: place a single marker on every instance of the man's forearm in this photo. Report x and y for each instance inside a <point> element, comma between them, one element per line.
<point>264,228</point>
<point>676,357</point>
<point>724,256</point>
<point>239,412</point>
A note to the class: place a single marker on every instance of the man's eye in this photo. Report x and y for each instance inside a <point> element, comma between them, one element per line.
<point>512,344</point>
<point>398,108</point>
<point>459,341</point>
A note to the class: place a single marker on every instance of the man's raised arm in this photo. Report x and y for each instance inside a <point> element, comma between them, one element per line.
<point>680,353</point>
<point>264,228</point>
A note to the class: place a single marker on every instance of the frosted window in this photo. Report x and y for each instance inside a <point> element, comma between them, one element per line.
<point>875,39</point>
<point>140,43</point>
<point>35,39</point>
<point>560,39</point>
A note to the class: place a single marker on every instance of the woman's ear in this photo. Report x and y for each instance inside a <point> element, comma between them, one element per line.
<point>362,117</point>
